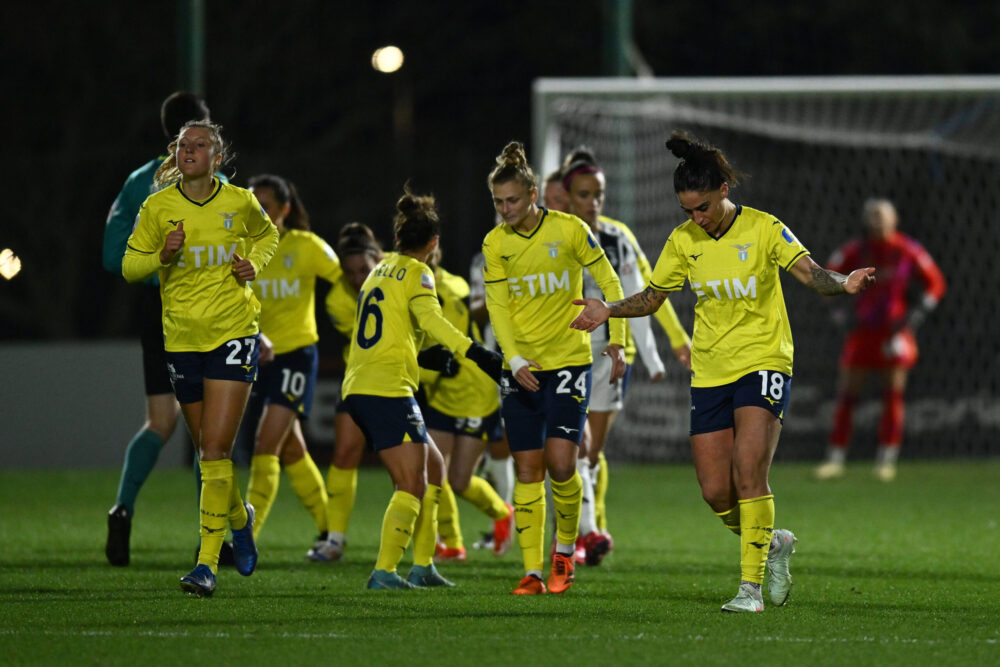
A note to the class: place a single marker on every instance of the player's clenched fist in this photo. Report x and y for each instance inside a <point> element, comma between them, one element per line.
<point>175,240</point>
<point>243,269</point>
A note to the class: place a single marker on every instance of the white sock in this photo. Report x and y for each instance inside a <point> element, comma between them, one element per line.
<point>501,472</point>
<point>588,522</point>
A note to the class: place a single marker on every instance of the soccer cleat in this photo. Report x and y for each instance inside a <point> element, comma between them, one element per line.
<point>200,581</point>
<point>383,580</point>
<point>450,555</point>
<point>530,585</point>
<point>561,574</point>
<point>779,579</point>
<point>119,529</point>
<point>579,551</point>
<point>611,540</point>
<point>749,598</point>
<point>885,472</point>
<point>326,550</point>
<point>485,543</point>
<point>596,546</point>
<point>425,576</point>
<point>244,547</point>
<point>830,470</point>
<point>503,536</point>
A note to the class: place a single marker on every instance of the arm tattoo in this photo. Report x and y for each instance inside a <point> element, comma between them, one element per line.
<point>827,282</point>
<point>638,305</point>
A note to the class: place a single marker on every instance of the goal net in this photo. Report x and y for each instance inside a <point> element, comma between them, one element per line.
<point>815,149</point>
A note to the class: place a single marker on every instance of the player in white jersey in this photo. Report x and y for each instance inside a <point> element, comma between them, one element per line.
<point>742,351</point>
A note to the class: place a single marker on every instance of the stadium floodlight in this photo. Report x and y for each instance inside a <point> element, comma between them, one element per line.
<point>10,264</point>
<point>814,149</point>
<point>387,59</point>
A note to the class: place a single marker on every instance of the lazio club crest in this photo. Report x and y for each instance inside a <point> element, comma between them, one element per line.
<point>288,260</point>
<point>744,250</point>
<point>553,248</point>
<point>227,219</point>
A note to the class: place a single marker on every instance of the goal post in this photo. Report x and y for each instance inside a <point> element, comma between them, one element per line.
<point>814,149</point>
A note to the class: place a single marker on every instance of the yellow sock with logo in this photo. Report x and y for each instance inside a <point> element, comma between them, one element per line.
<point>238,516</point>
<point>756,526</point>
<point>426,530</point>
<point>566,499</point>
<point>216,482</point>
<point>265,475</point>
<point>341,489</point>
<point>449,527</point>
<point>308,486</point>
<point>485,498</point>
<point>601,493</point>
<point>731,518</point>
<point>397,528</point>
<point>529,521</point>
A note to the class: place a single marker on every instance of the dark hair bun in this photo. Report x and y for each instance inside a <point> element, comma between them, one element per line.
<point>680,145</point>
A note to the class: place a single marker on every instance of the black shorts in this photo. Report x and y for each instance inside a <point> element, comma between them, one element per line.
<point>483,428</point>
<point>712,407</point>
<point>557,410</point>
<point>235,359</point>
<point>289,380</point>
<point>387,421</point>
<point>154,358</point>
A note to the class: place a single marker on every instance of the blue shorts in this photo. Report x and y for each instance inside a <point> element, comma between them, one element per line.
<point>387,421</point>
<point>474,427</point>
<point>557,410</point>
<point>289,380</point>
<point>712,407</point>
<point>235,359</point>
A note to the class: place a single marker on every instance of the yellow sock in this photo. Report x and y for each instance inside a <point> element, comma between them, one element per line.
<point>341,488</point>
<point>265,474</point>
<point>237,511</point>
<point>601,493</point>
<point>566,499</point>
<point>529,520</point>
<point>448,521</point>
<point>308,486</point>
<point>425,533</point>
<point>731,518</point>
<point>397,527</point>
<point>756,526</point>
<point>216,481</point>
<point>485,498</point>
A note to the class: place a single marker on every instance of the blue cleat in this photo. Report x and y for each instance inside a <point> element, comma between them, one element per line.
<point>200,581</point>
<point>382,580</point>
<point>423,576</point>
<point>244,547</point>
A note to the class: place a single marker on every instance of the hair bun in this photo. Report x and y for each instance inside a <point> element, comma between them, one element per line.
<point>680,146</point>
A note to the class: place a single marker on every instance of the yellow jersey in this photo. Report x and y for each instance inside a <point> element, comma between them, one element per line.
<point>342,307</point>
<point>531,281</point>
<point>287,289</point>
<point>204,304</point>
<point>740,323</point>
<point>397,301</point>
<point>470,393</point>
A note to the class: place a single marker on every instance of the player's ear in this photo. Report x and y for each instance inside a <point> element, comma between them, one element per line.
<point>724,190</point>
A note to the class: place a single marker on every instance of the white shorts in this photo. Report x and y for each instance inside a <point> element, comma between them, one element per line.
<point>604,397</point>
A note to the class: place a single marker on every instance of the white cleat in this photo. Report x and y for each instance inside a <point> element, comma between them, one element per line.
<point>779,579</point>
<point>749,598</point>
<point>885,472</point>
<point>830,470</point>
<point>325,551</point>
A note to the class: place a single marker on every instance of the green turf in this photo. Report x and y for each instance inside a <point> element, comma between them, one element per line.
<point>899,574</point>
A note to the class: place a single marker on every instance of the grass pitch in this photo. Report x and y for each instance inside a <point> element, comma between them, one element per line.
<point>891,574</point>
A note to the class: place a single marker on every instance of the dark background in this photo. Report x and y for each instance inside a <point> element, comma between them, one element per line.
<point>293,86</point>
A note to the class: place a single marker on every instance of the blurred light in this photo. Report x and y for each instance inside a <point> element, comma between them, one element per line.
<point>10,264</point>
<point>387,59</point>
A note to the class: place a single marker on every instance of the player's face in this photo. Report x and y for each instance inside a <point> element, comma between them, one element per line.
<point>881,223</point>
<point>586,196</point>
<point>514,202</point>
<point>269,202</point>
<point>556,198</point>
<point>707,209</point>
<point>195,154</point>
<point>356,268</point>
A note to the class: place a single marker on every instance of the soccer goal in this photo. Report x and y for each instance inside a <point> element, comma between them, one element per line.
<point>815,149</point>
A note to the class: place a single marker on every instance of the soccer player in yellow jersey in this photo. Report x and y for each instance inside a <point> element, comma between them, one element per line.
<point>359,253</point>
<point>208,240</point>
<point>284,390</point>
<point>741,357</point>
<point>461,408</point>
<point>397,297</point>
<point>534,268</point>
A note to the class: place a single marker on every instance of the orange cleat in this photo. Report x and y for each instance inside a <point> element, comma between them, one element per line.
<point>502,533</point>
<point>530,585</point>
<point>561,575</point>
<point>450,555</point>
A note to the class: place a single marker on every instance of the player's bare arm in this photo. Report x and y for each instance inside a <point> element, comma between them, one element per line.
<point>596,312</point>
<point>829,283</point>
